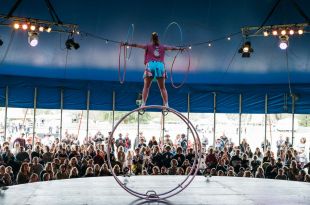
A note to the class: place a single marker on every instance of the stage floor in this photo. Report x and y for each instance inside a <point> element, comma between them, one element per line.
<point>105,190</point>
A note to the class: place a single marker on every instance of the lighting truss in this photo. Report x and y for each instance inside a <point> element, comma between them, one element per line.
<point>252,31</point>
<point>49,26</point>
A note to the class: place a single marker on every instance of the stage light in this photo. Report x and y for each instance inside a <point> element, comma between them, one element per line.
<point>209,44</point>
<point>16,25</point>
<point>300,31</point>
<point>283,32</point>
<point>41,28</point>
<point>246,50</point>
<point>190,47</point>
<point>228,38</point>
<point>48,29</point>
<point>71,44</point>
<point>32,27</point>
<point>283,42</point>
<point>275,32</point>
<point>25,26</point>
<point>33,39</point>
<point>266,33</point>
<point>291,32</point>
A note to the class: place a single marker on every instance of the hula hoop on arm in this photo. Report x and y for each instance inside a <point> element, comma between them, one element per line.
<point>122,78</point>
<point>151,194</point>
<point>187,69</point>
<point>129,39</point>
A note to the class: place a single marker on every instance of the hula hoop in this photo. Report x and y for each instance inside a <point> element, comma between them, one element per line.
<point>167,29</point>
<point>129,39</point>
<point>190,177</point>
<point>122,79</point>
<point>187,70</point>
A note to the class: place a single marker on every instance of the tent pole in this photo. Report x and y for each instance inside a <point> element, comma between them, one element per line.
<point>61,112</point>
<point>87,113</point>
<point>188,111</point>
<point>113,108</point>
<point>34,116</point>
<point>266,111</point>
<point>240,115</point>
<point>214,117</point>
<point>6,110</point>
<point>293,117</point>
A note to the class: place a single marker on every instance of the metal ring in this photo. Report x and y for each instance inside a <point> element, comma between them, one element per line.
<point>190,177</point>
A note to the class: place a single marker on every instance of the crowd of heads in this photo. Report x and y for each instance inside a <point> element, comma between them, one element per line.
<point>21,163</point>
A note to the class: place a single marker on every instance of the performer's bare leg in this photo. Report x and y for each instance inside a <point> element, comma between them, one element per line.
<point>163,90</point>
<point>146,89</point>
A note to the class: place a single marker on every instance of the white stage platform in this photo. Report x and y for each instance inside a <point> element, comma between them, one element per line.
<point>105,190</point>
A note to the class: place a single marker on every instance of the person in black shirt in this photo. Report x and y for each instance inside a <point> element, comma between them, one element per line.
<point>167,156</point>
<point>255,163</point>
<point>190,155</point>
<point>271,169</point>
<point>156,156</point>
<point>179,156</point>
<point>236,161</point>
<point>245,163</point>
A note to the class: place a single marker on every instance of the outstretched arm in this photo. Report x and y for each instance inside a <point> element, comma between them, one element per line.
<point>135,45</point>
<point>173,48</point>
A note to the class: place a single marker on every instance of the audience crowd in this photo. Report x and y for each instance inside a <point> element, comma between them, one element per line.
<point>56,159</point>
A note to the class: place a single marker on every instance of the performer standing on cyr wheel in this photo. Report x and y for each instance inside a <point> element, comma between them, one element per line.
<point>155,66</point>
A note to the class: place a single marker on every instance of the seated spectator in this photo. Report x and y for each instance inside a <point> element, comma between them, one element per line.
<point>211,160</point>
<point>74,173</point>
<point>99,157</point>
<point>117,170</point>
<point>260,173</point>
<point>47,170</point>
<point>6,179</point>
<point>23,175</point>
<point>241,172</point>
<point>281,175</point>
<point>236,161</point>
<point>152,142</point>
<point>255,163</point>
<point>179,156</point>
<point>230,173</point>
<point>90,172</point>
<point>22,155</point>
<point>9,171</point>
<point>245,163</point>
<point>35,166</point>
<point>173,168</point>
<point>62,173</point>
<point>47,156</point>
<point>155,170</point>
<point>96,170</point>
<point>180,171</point>
<point>307,178</point>
<point>190,156</point>
<point>163,170</point>
<point>167,156</point>
<point>34,178</point>
<point>293,171</point>
<point>220,173</point>
<point>104,170</point>
<point>213,172</point>
<point>247,174</point>
<point>271,169</point>
<point>46,177</point>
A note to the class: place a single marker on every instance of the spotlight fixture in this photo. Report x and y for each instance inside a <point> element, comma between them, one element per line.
<point>283,32</point>
<point>71,44</point>
<point>291,32</point>
<point>275,32</point>
<point>32,27</point>
<point>48,29</point>
<point>16,25</point>
<point>300,31</point>
<point>283,42</point>
<point>209,44</point>
<point>33,38</point>
<point>228,38</point>
<point>41,28</point>
<point>25,26</point>
<point>190,47</point>
<point>246,49</point>
<point>266,33</point>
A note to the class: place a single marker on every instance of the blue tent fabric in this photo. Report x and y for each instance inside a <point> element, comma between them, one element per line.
<point>21,95</point>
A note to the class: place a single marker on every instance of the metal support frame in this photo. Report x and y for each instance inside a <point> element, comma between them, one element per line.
<point>61,111</point>
<point>13,8</point>
<point>293,117</point>
<point>113,108</point>
<point>87,112</point>
<point>163,129</point>
<point>188,112</point>
<point>214,117</point>
<point>6,110</point>
<point>266,111</point>
<point>240,115</point>
<point>34,115</point>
